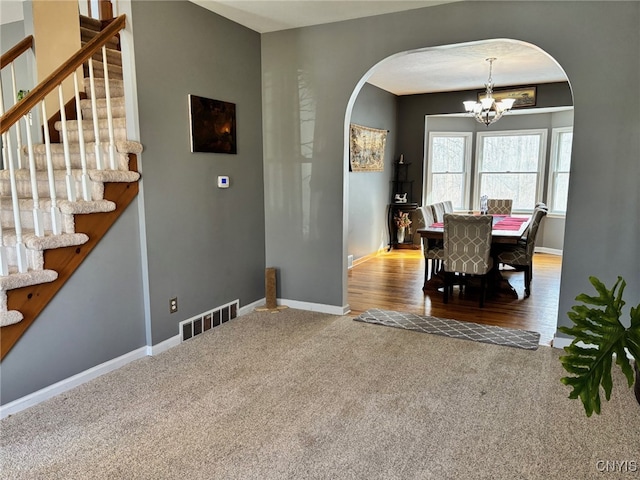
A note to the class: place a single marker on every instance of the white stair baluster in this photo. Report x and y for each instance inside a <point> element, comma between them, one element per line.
<point>18,129</point>
<point>71,183</point>
<point>94,111</point>
<point>112,143</point>
<point>38,221</point>
<point>21,251</point>
<point>4,264</point>
<point>56,216</point>
<point>85,181</point>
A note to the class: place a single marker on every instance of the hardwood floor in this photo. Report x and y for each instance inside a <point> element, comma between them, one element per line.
<point>393,281</point>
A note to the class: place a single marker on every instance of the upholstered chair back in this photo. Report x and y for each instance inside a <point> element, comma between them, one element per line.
<point>438,211</point>
<point>421,217</point>
<point>467,243</point>
<point>536,219</point>
<point>499,206</point>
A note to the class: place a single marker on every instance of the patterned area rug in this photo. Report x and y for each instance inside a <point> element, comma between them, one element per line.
<point>453,328</point>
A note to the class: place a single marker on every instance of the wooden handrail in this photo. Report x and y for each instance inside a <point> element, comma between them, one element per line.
<point>21,108</point>
<point>20,47</point>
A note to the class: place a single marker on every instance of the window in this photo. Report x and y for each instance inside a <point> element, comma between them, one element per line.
<point>561,140</point>
<point>511,165</point>
<point>448,168</point>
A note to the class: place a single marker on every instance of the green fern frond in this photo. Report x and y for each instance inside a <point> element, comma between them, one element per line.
<point>600,328</point>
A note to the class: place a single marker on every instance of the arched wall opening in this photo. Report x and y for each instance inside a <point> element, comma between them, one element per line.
<point>409,135</point>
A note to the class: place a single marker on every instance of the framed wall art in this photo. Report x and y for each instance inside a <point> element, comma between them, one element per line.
<point>213,125</point>
<point>524,96</point>
<point>366,148</point>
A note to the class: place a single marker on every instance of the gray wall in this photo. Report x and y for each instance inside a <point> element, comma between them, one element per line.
<point>597,43</point>
<point>205,245</point>
<point>369,192</point>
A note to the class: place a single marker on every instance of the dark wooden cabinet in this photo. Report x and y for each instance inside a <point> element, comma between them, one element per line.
<point>400,186</point>
<point>393,231</point>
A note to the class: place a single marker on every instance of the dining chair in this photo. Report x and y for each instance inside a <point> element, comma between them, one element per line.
<point>520,256</point>
<point>499,206</point>
<point>467,250</point>
<point>447,206</point>
<point>438,211</point>
<point>432,249</point>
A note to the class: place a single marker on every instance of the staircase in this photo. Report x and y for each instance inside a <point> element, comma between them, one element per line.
<point>83,180</point>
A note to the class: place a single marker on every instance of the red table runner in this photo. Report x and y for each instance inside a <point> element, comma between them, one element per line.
<point>510,223</point>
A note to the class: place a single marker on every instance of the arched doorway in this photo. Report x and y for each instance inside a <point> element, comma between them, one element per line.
<point>431,69</point>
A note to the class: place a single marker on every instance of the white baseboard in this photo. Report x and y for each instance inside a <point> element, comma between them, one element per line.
<point>251,307</point>
<point>561,342</point>
<point>315,307</point>
<point>550,251</point>
<point>163,346</point>
<point>71,382</point>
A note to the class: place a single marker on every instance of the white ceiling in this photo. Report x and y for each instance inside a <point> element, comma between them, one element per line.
<point>449,68</point>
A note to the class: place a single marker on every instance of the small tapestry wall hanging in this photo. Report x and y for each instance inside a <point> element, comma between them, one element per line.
<point>213,125</point>
<point>366,152</point>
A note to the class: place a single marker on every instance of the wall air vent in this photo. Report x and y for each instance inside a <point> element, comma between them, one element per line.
<point>206,321</point>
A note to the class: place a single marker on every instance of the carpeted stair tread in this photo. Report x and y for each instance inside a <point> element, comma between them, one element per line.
<point>94,175</point>
<point>122,146</point>
<point>116,87</point>
<point>66,207</point>
<point>114,57</point>
<point>115,71</point>
<point>47,242</point>
<point>103,124</point>
<point>118,108</point>
<point>10,317</point>
<point>32,277</point>
<point>90,23</point>
<point>87,34</point>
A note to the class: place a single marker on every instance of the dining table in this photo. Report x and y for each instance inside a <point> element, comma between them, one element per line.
<point>506,230</point>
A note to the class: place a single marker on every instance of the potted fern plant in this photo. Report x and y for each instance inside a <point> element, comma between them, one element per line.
<point>599,337</point>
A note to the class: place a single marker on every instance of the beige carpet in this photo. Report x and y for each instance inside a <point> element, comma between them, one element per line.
<point>299,395</point>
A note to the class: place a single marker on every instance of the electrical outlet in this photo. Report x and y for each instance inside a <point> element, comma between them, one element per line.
<point>173,305</point>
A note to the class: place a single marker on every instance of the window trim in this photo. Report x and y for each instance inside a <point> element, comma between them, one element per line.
<point>553,162</point>
<point>542,157</point>
<point>428,174</point>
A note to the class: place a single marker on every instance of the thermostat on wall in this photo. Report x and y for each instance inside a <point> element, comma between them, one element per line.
<point>223,181</point>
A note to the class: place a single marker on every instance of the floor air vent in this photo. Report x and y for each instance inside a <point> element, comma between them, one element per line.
<point>206,321</point>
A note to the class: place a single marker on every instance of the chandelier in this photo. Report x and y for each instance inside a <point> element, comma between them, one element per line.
<point>487,110</point>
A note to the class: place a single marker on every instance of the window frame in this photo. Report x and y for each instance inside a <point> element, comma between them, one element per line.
<point>542,157</point>
<point>553,167</point>
<point>468,148</point>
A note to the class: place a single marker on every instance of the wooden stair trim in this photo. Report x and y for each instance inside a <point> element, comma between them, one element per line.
<point>31,301</point>
<point>15,113</point>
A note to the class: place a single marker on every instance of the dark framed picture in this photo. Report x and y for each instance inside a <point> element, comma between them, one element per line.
<point>524,96</point>
<point>213,125</point>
